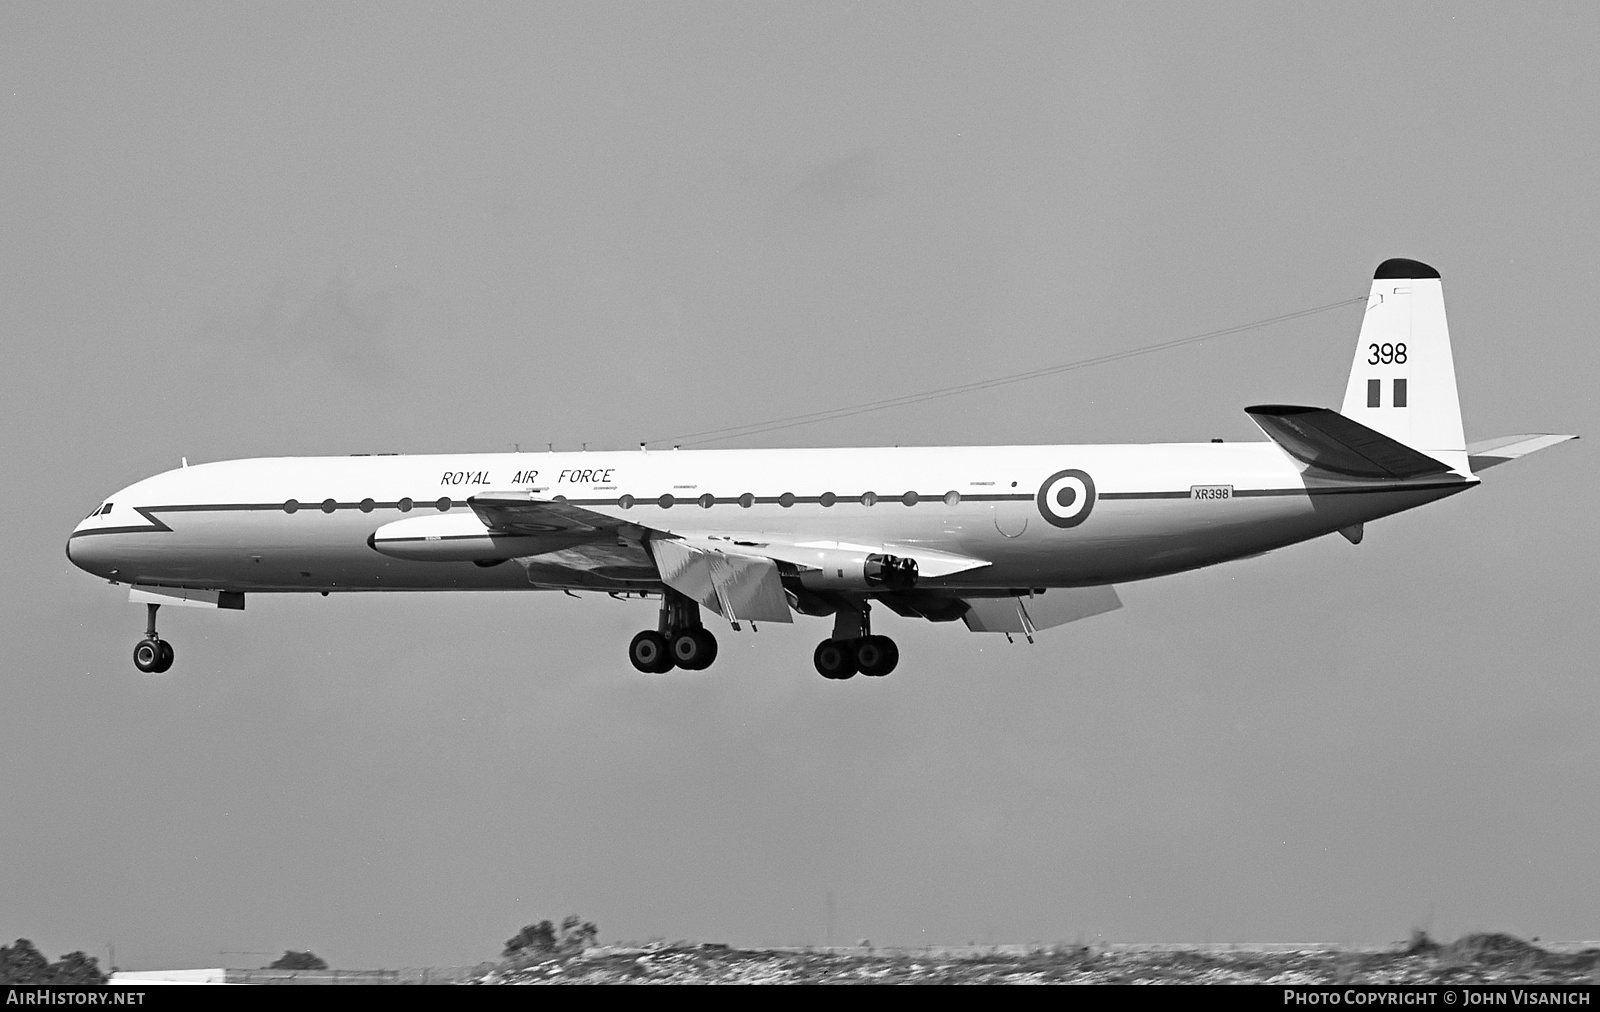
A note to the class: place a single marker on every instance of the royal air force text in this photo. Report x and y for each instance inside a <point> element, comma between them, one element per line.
<point>577,476</point>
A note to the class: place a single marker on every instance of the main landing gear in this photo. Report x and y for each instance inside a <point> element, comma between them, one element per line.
<point>680,641</point>
<point>153,654</point>
<point>852,648</point>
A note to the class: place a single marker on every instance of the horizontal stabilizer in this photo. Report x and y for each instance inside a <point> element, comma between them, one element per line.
<point>1026,615</point>
<point>1489,452</point>
<point>1328,441</point>
<point>734,586</point>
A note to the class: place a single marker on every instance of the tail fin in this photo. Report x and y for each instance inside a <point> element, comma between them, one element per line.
<point>1403,381</point>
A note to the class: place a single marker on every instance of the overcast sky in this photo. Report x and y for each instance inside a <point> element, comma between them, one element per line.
<point>230,231</point>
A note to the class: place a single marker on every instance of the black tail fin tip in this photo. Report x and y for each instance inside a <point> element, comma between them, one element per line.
<point>1401,268</point>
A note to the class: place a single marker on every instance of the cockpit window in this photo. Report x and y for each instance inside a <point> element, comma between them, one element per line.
<point>102,511</point>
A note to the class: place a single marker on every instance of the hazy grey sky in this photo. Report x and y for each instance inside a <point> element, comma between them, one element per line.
<point>234,230</point>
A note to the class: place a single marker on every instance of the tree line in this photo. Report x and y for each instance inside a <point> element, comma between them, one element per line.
<point>21,962</point>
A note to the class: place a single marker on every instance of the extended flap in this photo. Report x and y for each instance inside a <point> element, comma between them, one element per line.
<point>734,586</point>
<point>1040,611</point>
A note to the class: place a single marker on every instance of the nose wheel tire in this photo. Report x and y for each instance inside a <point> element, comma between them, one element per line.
<point>152,656</point>
<point>651,653</point>
<point>694,649</point>
<point>835,659</point>
<point>876,655</point>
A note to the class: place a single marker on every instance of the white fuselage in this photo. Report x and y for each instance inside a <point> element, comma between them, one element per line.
<point>1152,510</point>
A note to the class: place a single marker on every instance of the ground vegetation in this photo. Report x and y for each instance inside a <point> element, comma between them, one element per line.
<point>292,960</point>
<point>1472,959</point>
<point>22,963</point>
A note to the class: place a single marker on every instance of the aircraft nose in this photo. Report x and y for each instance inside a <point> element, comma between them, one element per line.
<point>82,552</point>
<point>91,546</point>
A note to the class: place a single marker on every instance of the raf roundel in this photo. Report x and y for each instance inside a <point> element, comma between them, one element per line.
<point>1066,498</point>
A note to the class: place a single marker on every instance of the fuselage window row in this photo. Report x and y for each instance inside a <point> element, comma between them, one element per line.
<point>666,501</point>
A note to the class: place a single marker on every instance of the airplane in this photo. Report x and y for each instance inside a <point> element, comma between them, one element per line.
<point>1005,539</point>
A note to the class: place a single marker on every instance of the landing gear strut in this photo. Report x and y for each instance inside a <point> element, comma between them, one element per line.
<point>852,648</point>
<point>153,654</point>
<point>679,641</point>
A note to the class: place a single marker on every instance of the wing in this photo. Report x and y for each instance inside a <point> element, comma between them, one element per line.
<point>813,556</point>
<point>741,577</point>
<point>737,576</point>
<point>522,514</point>
<point>1024,614</point>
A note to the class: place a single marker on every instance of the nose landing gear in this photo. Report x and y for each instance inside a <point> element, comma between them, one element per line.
<point>152,655</point>
<point>681,641</point>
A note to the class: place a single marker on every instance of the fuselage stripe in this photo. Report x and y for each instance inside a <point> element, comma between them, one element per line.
<point>931,499</point>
